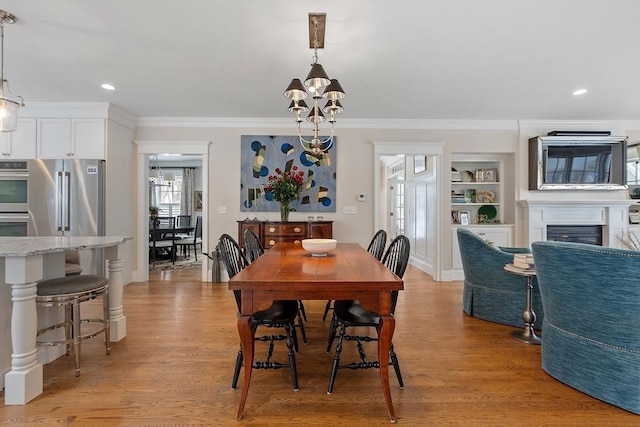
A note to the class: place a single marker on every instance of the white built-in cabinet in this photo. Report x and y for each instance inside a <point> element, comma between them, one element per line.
<point>501,235</point>
<point>21,143</point>
<point>71,139</point>
<point>478,198</point>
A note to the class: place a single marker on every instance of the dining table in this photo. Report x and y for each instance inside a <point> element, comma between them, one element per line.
<point>288,272</point>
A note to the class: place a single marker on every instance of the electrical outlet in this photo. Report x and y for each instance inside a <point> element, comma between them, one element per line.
<point>362,197</point>
<point>222,210</point>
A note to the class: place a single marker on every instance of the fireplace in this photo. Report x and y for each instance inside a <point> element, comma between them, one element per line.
<point>590,234</point>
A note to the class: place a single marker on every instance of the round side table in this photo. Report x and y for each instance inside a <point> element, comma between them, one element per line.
<point>527,335</point>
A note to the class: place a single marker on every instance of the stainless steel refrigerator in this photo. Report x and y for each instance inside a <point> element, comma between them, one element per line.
<point>67,197</point>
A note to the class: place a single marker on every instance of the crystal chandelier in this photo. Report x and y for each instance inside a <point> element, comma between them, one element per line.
<point>9,103</point>
<point>320,86</point>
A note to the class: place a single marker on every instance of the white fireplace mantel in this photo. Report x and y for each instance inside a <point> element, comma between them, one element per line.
<point>613,215</point>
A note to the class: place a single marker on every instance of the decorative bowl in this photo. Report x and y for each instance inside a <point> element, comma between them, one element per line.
<point>319,247</point>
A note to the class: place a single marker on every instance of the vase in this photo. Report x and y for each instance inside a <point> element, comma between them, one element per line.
<point>284,211</point>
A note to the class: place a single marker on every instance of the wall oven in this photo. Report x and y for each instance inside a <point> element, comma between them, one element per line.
<point>15,224</point>
<point>14,187</point>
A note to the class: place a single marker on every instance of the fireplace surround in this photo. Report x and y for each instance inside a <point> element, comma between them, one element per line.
<point>611,215</point>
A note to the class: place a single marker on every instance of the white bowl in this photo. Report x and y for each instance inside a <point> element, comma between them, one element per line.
<point>319,247</point>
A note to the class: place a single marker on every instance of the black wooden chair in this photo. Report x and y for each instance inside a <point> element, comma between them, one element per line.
<point>195,240</point>
<point>350,314</point>
<point>253,250</point>
<point>162,238</point>
<point>281,314</point>
<point>376,249</point>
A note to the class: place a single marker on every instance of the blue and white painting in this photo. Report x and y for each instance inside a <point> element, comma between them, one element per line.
<point>262,154</point>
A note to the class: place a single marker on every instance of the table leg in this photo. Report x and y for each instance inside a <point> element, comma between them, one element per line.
<point>385,335</point>
<point>246,341</point>
<point>528,335</point>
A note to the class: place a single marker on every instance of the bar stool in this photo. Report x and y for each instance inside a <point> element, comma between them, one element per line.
<point>70,292</point>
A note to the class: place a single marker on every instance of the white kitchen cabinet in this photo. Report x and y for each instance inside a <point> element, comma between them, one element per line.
<point>21,143</point>
<point>71,139</point>
<point>501,235</point>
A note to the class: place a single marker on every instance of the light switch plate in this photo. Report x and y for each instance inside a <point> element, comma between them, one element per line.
<point>222,210</point>
<point>349,210</point>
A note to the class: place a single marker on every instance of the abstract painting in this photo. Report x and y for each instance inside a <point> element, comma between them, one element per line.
<point>262,154</point>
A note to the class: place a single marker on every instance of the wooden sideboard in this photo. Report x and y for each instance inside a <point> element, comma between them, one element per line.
<point>272,232</point>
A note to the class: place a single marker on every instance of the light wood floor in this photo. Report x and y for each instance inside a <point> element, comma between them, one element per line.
<point>174,369</point>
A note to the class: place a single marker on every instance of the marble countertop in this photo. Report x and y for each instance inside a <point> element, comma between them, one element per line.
<point>25,246</point>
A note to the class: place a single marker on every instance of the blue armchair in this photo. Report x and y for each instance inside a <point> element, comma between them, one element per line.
<point>490,293</point>
<point>591,330</point>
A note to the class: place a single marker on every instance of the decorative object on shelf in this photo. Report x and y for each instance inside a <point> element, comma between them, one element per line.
<point>455,175</point>
<point>285,187</point>
<point>470,195</point>
<point>464,217</point>
<point>9,103</point>
<point>489,211</point>
<point>262,154</point>
<point>467,176</point>
<point>487,175</point>
<point>485,196</point>
<point>316,81</point>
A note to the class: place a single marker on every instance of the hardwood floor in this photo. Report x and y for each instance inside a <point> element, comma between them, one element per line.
<point>174,368</point>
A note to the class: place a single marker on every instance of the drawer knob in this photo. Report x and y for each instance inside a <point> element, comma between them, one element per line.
<point>272,229</point>
<point>272,242</point>
<point>297,229</point>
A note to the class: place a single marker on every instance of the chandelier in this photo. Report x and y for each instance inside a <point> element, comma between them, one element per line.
<point>320,86</point>
<point>9,103</point>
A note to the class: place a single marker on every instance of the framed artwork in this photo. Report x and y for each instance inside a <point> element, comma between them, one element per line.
<point>197,200</point>
<point>464,218</point>
<point>419,164</point>
<point>260,155</point>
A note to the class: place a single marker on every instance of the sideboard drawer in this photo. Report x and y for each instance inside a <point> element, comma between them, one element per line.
<point>270,241</point>
<point>285,230</point>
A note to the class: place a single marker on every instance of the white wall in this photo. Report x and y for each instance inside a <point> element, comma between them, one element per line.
<point>355,168</point>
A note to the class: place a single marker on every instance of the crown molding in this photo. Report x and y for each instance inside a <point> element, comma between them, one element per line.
<point>417,124</point>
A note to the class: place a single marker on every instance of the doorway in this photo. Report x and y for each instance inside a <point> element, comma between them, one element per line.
<point>411,206</point>
<point>147,149</point>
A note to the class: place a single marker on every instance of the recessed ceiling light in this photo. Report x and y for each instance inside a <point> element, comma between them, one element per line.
<point>579,92</point>
<point>107,86</point>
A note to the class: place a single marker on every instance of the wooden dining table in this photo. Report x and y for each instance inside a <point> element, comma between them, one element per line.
<point>288,272</point>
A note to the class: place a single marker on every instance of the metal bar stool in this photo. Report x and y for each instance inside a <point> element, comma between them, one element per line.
<point>70,292</point>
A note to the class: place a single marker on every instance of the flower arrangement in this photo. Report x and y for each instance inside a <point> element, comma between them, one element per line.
<point>285,187</point>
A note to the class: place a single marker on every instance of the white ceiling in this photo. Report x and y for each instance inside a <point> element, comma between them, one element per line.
<point>454,59</point>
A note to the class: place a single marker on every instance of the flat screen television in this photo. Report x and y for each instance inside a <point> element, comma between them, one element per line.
<point>577,163</point>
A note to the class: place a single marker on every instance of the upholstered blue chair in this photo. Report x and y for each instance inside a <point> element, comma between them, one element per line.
<point>490,293</point>
<point>591,331</point>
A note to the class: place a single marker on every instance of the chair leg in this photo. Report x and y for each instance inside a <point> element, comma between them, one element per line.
<point>326,310</point>
<point>107,322</point>
<point>396,366</point>
<point>67,328</point>
<point>302,310</point>
<point>294,334</point>
<point>76,336</point>
<point>301,326</point>
<point>333,326</point>
<point>236,371</point>
<point>195,251</point>
<point>292,357</point>
<point>336,361</point>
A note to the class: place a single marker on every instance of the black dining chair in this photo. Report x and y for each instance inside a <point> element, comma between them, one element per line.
<point>349,314</point>
<point>281,314</point>
<point>253,250</point>
<point>376,249</point>
<point>195,240</point>
<point>162,238</point>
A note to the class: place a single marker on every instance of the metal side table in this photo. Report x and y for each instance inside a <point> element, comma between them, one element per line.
<point>527,335</point>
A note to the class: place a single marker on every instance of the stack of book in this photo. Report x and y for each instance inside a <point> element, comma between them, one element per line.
<point>524,261</point>
<point>457,197</point>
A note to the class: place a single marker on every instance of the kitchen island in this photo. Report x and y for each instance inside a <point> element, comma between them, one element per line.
<point>23,262</point>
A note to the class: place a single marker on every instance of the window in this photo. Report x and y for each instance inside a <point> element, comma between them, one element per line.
<point>166,194</point>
